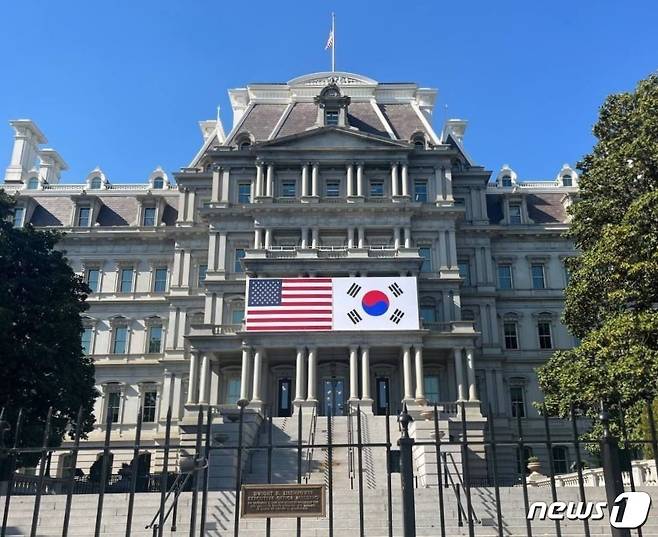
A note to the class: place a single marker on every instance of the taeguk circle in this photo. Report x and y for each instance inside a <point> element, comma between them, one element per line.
<point>375,303</point>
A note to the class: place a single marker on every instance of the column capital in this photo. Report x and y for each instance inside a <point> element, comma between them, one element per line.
<point>354,348</point>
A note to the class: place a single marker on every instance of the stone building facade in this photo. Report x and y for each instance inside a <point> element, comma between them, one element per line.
<point>330,174</point>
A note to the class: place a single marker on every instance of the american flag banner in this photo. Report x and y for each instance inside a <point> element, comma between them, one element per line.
<point>313,304</point>
<point>286,304</point>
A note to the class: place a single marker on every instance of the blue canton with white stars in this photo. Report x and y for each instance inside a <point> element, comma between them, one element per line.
<point>265,292</point>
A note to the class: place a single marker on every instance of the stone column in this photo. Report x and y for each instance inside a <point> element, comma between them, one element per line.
<point>204,380</point>
<point>268,238</point>
<point>257,239</point>
<point>259,179</point>
<point>256,395</point>
<point>359,180</point>
<point>394,179</point>
<point>315,177</point>
<point>270,181</point>
<point>396,238</point>
<point>452,249</point>
<point>420,379</point>
<point>311,391</point>
<point>407,374</point>
<point>365,373</point>
<point>448,190</point>
<point>193,382</point>
<point>350,180</point>
<point>407,237</point>
<point>304,180</point>
<point>216,177</point>
<point>350,237</point>
<point>362,237</point>
<point>459,374</point>
<point>470,372</point>
<point>315,237</point>
<point>354,374</point>
<point>443,250</point>
<point>405,180</point>
<point>438,184</point>
<point>244,376</point>
<point>304,241</point>
<point>299,376</point>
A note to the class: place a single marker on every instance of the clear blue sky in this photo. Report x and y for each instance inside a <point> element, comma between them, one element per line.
<point>122,84</point>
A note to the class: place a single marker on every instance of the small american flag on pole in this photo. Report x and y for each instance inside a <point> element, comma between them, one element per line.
<point>289,304</point>
<point>330,40</point>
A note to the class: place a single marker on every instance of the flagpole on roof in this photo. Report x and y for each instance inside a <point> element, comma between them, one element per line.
<point>333,48</point>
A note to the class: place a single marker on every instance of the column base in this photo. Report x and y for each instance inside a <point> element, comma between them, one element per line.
<point>310,199</point>
<point>356,199</point>
<point>365,405</point>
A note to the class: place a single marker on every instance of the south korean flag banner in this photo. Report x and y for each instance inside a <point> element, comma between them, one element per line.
<point>375,304</point>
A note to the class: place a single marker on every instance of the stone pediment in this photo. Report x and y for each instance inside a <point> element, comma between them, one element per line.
<point>335,138</point>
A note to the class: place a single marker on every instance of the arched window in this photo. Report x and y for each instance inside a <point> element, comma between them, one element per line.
<point>245,140</point>
<point>418,140</point>
<point>95,183</point>
<point>507,180</point>
<point>567,180</point>
<point>33,183</point>
<point>158,183</point>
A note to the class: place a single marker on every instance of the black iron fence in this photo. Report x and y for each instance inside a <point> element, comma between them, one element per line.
<point>468,477</point>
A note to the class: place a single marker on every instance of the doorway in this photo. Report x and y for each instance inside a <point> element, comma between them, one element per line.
<point>333,396</point>
<point>284,400</point>
<point>383,395</point>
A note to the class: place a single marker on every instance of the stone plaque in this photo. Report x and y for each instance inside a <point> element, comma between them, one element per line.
<point>289,501</point>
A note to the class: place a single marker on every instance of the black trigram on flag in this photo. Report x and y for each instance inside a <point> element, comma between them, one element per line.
<point>397,316</point>
<point>354,290</point>
<point>354,316</point>
<point>395,289</point>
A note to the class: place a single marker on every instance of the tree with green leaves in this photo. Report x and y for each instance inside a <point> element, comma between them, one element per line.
<point>42,364</point>
<point>612,297</point>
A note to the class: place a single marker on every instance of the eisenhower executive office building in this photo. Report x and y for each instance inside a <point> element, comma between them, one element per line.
<point>330,175</point>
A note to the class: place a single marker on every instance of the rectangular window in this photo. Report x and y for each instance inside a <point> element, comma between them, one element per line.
<point>538,281</point>
<point>567,180</point>
<point>560,459</point>
<point>160,280</point>
<point>148,220</point>
<point>149,406</point>
<point>465,271</point>
<point>420,191</point>
<point>330,118</point>
<point>517,396</point>
<point>544,333</point>
<point>511,337</point>
<point>126,281</point>
<point>431,385</point>
<point>93,279</point>
<point>332,189</point>
<point>203,269</point>
<point>83,216</point>
<point>237,316</point>
<point>428,314</point>
<point>155,339</point>
<point>233,390</point>
<point>239,255</point>
<point>289,189</point>
<point>244,192</point>
<point>426,253</point>
<point>87,332</point>
<point>505,277</point>
<point>376,189</point>
<point>114,405</point>
<point>120,340</point>
<point>514,214</point>
<point>507,181</point>
<point>567,275</point>
<point>19,216</point>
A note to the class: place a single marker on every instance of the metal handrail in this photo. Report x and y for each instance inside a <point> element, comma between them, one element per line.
<point>178,485</point>
<point>455,486</point>
<point>311,442</point>
<point>350,449</point>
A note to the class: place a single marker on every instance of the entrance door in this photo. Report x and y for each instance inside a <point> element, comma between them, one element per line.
<point>383,395</point>
<point>333,396</point>
<point>284,398</point>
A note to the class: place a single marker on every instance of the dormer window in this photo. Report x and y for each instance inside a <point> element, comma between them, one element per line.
<point>19,216</point>
<point>95,183</point>
<point>148,219</point>
<point>84,214</point>
<point>418,140</point>
<point>245,140</point>
<point>33,183</point>
<point>507,181</point>
<point>331,118</point>
<point>515,213</point>
<point>158,183</point>
<point>567,180</point>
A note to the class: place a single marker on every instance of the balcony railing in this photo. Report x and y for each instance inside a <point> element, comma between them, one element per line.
<point>331,252</point>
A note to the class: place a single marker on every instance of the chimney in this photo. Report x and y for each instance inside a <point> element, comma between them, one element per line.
<point>51,165</point>
<point>456,127</point>
<point>27,138</point>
